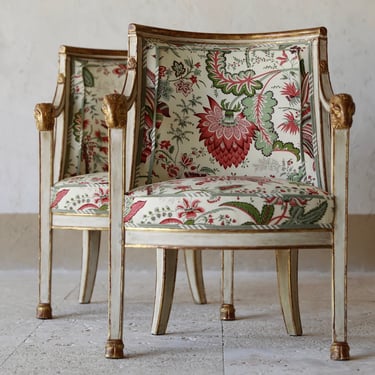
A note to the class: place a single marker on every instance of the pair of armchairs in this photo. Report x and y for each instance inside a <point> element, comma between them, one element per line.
<point>215,141</point>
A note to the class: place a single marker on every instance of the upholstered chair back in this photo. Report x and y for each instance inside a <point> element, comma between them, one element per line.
<point>243,107</point>
<point>85,148</point>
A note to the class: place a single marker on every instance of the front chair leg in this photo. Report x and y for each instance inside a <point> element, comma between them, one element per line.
<point>227,311</point>
<point>90,257</point>
<point>114,348</point>
<point>287,275</point>
<point>44,310</point>
<point>339,349</point>
<point>193,264</point>
<point>166,268</point>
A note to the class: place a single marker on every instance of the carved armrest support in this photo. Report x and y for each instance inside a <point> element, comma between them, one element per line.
<point>342,109</point>
<point>115,109</point>
<point>44,114</point>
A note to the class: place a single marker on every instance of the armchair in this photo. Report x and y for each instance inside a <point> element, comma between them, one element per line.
<point>73,141</point>
<point>231,142</point>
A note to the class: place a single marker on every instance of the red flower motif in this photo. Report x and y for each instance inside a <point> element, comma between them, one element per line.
<point>102,197</point>
<point>193,79</point>
<point>290,126</point>
<point>290,91</point>
<point>283,59</point>
<point>162,71</point>
<point>227,137</point>
<point>172,170</point>
<point>186,161</point>
<point>189,211</point>
<point>164,145</point>
<point>184,87</point>
<point>120,70</point>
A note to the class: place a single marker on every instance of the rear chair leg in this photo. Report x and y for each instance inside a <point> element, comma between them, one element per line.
<point>287,275</point>
<point>90,257</point>
<point>193,264</point>
<point>227,311</point>
<point>166,268</point>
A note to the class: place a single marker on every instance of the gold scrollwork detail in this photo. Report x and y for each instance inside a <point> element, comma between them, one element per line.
<point>342,109</point>
<point>115,109</point>
<point>132,63</point>
<point>323,66</point>
<point>61,78</point>
<point>44,114</point>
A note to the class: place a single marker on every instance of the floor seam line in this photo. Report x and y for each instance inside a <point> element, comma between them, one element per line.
<point>20,344</point>
<point>222,346</point>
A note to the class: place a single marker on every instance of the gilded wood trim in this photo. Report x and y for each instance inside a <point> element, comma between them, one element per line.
<point>44,114</point>
<point>342,109</point>
<point>144,31</point>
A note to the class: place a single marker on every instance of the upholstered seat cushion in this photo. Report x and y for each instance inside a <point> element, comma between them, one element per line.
<point>203,202</point>
<point>84,194</point>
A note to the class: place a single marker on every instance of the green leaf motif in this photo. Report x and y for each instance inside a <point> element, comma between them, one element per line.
<point>241,83</point>
<point>288,146</point>
<point>261,218</point>
<point>77,126</point>
<point>298,215</point>
<point>258,109</point>
<point>88,78</point>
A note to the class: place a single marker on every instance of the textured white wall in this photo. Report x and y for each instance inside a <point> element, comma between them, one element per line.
<point>32,30</point>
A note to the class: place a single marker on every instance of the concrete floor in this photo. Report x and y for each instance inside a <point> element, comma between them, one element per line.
<point>197,342</point>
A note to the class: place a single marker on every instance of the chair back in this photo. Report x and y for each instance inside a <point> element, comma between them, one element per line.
<point>85,76</point>
<point>225,104</point>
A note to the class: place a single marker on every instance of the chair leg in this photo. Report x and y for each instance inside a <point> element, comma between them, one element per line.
<point>227,311</point>
<point>90,257</point>
<point>287,276</point>
<point>166,268</point>
<point>114,348</point>
<point>193,265</point>
<point>44,310</point>
<point>339,348</point>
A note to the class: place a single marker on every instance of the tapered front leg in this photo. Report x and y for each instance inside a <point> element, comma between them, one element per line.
<point>114,347</point>
<point>227,311</point>
<point>193,264</point>
<point>166,268</point>
<point>44,310</point>
<point>287,275</point>
<point>90,257</point>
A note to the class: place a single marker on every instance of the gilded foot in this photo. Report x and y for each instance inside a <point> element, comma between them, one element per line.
<point>340,351</point>
<point>44,311</point>
<point>114,349</point>
<point>227,312</point>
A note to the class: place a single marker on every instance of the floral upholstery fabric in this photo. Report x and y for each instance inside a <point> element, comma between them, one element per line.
<point>231,201</point>
<point>84,194</point>
<point>87,136</point>
<point>227,110</point>
<point>228,138</point>
<point>203,202</point>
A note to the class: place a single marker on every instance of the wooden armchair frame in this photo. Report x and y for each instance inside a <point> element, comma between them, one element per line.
<point>333,117</point>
